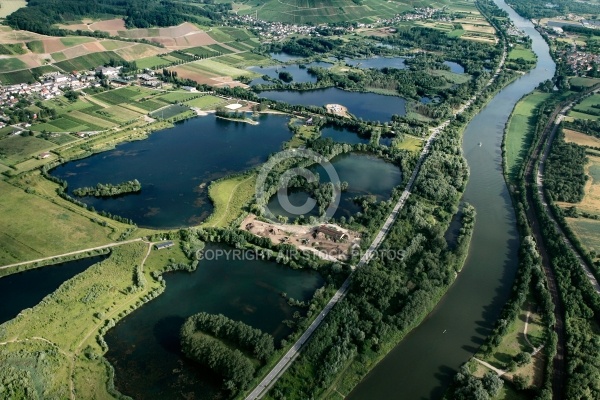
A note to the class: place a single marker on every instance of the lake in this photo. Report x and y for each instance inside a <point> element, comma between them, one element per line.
<point>144,348</point>
<point>26,289</point>
<point>366,175</point>
<point>368,106</point>
<point>175,166</point>
<point>342,135</point>
<point>300,75</point>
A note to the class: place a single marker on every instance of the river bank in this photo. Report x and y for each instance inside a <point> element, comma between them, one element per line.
<point>466,314</point>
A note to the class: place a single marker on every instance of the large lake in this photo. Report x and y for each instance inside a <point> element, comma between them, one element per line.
<point>175,167</point>
<point>144,348</point>
<point>368,106</point>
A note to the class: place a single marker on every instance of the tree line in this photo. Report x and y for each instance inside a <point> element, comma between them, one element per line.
<point>109,190</point>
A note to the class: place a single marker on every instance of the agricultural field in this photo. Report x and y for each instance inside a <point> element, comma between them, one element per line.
<point>12,49</point>
<point>229,196</point>
<point>590,107</point>
<point>581,139</point>
<point>11,64</point>
<point>88,61</point>
<point>319,11</point>
<point>588,232</point>
<point>583,82</point>
<point>519,132</point>
<point>216,68</point>
<point>34,226</point>
<point>153,62</point>
<point>220,49</point>
<point>16,148</point>
<point>591,199</point>
<point>123,95</point>
<point>21,76</point>
<point>176,97</point>
<point>10,6</point>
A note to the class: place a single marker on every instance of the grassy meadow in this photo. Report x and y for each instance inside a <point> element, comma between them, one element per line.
<point>519,131</point>
<point>229,196</point>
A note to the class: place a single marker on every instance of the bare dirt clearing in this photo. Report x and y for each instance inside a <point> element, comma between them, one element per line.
<point>330,242</point>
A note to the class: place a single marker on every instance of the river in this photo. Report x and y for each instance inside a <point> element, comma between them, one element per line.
<point>423,364</point>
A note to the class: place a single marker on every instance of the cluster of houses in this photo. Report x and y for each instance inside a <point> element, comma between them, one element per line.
<point>274,30</point>
<point>579,60</point>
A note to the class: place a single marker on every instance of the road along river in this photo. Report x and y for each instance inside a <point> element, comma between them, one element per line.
<point>423,364</point>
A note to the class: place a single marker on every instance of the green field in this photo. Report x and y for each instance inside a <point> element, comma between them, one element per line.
<point>219,35</point>
<point>205,102</point>
<point>521,52</point>
<point>586,106</point>
<point>36,46</point>
<point>34,227</point>
<point>153,61</point>
<point>21,76</point>
<point>236,33</point>
<point>88,61</point>
<point>17,148</point>
<point>228,197</point>
<point>409,143</point>
<point>124,95</point>
<point>519,132</point>
<point>11,64</point>
<point>202,51</point>
<point>588,231</point>
<point>70,41</point>
<point>12,49</point>
<point>169,111</point>
<point>176,97</point>
<point>216,68</point>
<point>220,49</point>
<point>583,82</point>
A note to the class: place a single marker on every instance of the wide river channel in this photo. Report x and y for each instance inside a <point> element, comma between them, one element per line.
<point>423,364</point>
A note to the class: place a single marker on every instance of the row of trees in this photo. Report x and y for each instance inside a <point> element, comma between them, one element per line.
<point>235,333</point>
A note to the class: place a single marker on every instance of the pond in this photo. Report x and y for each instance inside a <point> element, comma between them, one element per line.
<point>366,174</point>
<point>284,57</point>
<point>144,348</point>
<point>300,74</point>
<point>175,167</point>
<point>26,289</point>
<point>342,135</point>
<point>368,106</point>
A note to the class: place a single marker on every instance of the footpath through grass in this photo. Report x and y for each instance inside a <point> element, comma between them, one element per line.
<point>520,130</point>
<point>229,196</point>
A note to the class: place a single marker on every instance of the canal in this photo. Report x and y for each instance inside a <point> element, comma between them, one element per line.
<point>423,364</point>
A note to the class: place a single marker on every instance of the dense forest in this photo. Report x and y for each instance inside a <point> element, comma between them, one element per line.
<point>564,176</point>
<point>40,15</point>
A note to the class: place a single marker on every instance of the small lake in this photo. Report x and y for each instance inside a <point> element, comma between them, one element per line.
<point>366,175</point>
<point>377,62</point>
<point>284,57</point>
<point>26,289</point>
<point>368,106</point>
<point>342,135</point>
<point>394,62</point>
<point>175,167</point>
<point>144,348</point>
<point>300,74</point>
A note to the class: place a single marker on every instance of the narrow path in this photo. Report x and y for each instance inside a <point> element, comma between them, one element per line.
<point>106,246</point>
<point>490,366</point>
<point>289,357</point>
<point>535,349</point>
<point>229,201</point>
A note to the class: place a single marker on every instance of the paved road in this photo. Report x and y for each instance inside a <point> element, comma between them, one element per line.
<point>289,357</point>
<point>106,246</point>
